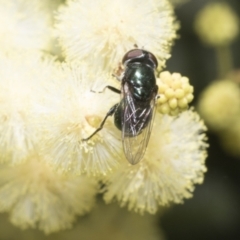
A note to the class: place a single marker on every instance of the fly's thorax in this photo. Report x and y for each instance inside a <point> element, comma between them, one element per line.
<point>141,81</point>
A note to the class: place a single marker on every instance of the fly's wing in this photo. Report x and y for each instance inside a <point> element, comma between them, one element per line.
<point>136,126</point>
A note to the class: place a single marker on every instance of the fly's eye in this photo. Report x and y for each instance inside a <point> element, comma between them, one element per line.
<point>153,59</point>
<point>139,55</point>
<point>132,54</point>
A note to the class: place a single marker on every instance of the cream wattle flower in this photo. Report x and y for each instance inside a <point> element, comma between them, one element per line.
<point>101,32</point>
<point>219,104</point>
<point>73,113</point>
<point>38,197</point>
<point>20,111</point>
<point>173,163</point>
<point>217,24</point>
<point>25,25</point>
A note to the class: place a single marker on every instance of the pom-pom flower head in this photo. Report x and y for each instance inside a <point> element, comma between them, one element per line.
<point>24,25</point>
<point>105,221</point>
<point>120,25</point>
<point>74,113</point>
<point>217,24</point>
<point>219,104</point>
<point>21,75</point>
<point>173,163</point>
<point>175,93</point>
<point>36,196</point>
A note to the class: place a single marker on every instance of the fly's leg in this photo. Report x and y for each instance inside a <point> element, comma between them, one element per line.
<point>113,89</point>
<point>110,113</point>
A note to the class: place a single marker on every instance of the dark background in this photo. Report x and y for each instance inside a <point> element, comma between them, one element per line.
<point>214,211</point>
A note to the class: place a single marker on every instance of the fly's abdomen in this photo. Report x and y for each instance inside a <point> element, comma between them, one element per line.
<point>132,119</point>
<point>118,116</point>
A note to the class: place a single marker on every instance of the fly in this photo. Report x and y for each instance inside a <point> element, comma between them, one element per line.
<point>134,114</point>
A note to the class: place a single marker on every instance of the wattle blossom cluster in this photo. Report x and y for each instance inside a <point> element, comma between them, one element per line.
<point>175,93</point>
<point>104,41</point>
<point>49,175</point>
<point>217,25</point>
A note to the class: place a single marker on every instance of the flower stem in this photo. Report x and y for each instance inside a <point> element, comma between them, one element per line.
<point>224,60</point>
